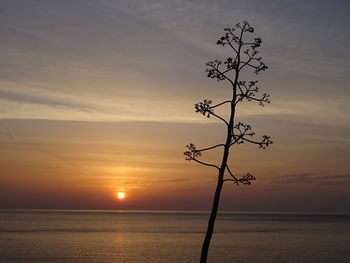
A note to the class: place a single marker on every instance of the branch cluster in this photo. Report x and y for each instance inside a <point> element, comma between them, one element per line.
<point>233,37</point>
<point>252,60</point>
<point>245,179</point>
<point>230,37</point>
<point>213,71</point>
<point>242,132</point>
<point>192,152</point>
<point>204,108</point>
<point>249,91</point>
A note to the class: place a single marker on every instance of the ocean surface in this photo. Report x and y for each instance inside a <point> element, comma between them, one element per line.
<point>140,237</point>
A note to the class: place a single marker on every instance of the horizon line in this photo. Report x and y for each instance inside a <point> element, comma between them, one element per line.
<point>174,211</point>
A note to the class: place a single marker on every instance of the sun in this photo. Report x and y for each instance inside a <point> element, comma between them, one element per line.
<point>120,195</point>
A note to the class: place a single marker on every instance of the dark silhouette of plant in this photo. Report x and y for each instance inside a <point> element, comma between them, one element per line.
<point>245,56</point>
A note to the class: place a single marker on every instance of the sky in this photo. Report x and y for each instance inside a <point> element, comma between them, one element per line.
<point>96,97</point>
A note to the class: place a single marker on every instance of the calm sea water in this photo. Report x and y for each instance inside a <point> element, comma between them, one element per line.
<point>140,237</point>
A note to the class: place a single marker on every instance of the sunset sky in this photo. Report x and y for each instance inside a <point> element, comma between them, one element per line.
<point>96,98</point>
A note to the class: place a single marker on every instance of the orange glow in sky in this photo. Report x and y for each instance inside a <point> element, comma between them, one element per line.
<point>85,123</point>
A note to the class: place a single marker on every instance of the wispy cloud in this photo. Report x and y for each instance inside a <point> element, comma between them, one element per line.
<point>313,178</point>
<point>8,134</point>
<point>142,182</point>
<point>40,149</point>
<point>110,60</point>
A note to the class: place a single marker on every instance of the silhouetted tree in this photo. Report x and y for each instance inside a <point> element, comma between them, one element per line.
<point>245,56</point>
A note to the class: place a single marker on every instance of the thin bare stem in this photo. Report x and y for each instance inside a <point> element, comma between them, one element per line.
<point>222,103</point>
<point>212,147</point>
<point>217,116</point>
<point>229,171</point>
<point>206,164</point>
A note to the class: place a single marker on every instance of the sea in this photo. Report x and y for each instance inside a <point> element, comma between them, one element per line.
<point>155,236</point>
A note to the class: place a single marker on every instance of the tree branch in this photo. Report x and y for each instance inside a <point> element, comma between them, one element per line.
<point>206,164</point>
<point>192,153</point>
<point>217,116</point>
<point>250,92</point>
<point>214,72</point>
<point>245,179</point>
<point>262,100</point>
<point>236,140</point>
<point>217,105</point>
<point>205,108</point>
<point>212,147</point>
<point>260,67</point>
<point>229,171</point>
<point>263,144</point>
<point>243,130</point>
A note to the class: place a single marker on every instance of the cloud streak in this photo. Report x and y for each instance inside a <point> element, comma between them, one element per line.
<point>8,134</point>
<point>313,178</point>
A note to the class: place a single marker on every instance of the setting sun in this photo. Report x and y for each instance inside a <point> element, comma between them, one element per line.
<point>120,195</point>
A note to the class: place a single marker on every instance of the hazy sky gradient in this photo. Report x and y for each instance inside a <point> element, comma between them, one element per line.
<point>97,97</point>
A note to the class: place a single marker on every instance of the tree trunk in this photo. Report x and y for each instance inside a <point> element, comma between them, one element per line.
<point>214,210</point>
<point>211,222</point>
